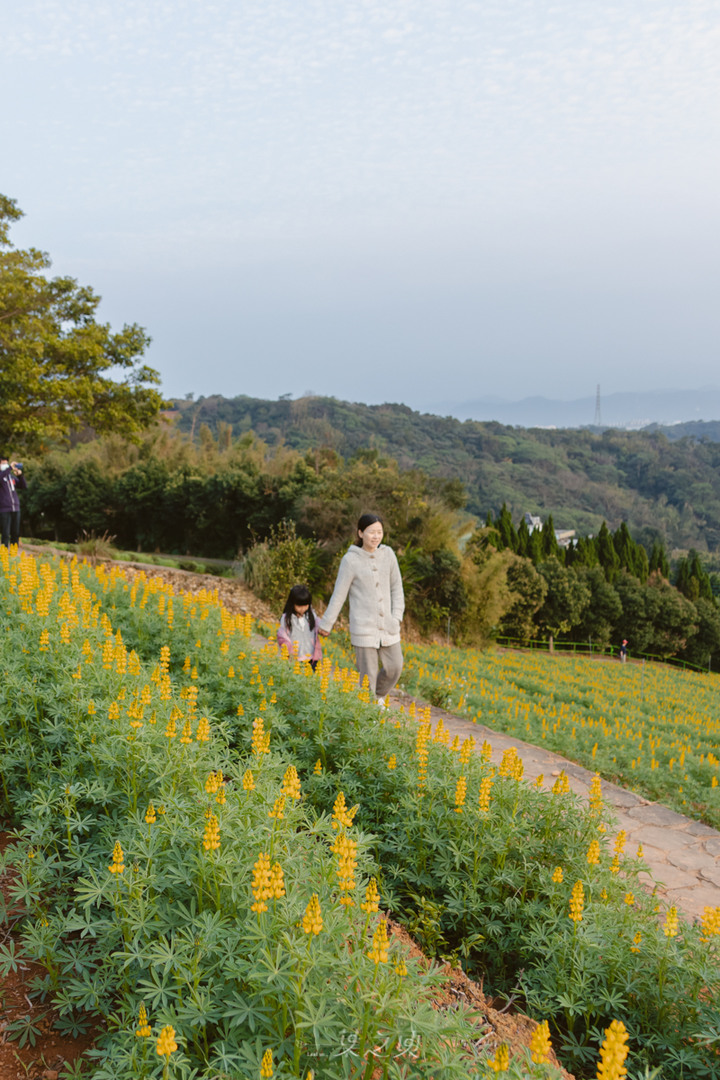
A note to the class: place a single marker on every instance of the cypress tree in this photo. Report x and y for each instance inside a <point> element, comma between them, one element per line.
<point>506,529</point>
<point>659,560</point>
<point>523,539</point>
<point>550,547</point>
<point>625,549</point>
<point>607,555</point>
<point>535,551</point>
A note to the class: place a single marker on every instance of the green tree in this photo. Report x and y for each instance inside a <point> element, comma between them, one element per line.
<point>607,555</point>
<point>692,580</point>
<point>705,642</point>
<point>632,556</point>
<point>55,358</point>
<point>566,600</point>
<point>506,529</point>
<point>550,549</point>
<point>528,590</point>
<point>659,561</point>
<point>604,611</point>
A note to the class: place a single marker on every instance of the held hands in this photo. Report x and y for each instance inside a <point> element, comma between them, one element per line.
<point>323,633</point>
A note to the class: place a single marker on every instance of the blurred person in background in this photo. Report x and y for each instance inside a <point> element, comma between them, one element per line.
<point>11,480</point>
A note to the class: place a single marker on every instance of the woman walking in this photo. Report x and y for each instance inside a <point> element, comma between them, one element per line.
<point>370,576</point>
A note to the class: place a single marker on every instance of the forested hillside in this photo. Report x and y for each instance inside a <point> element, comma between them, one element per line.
<point>663,488</point>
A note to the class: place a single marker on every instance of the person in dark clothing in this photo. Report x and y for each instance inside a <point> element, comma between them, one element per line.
<point>11,480</point>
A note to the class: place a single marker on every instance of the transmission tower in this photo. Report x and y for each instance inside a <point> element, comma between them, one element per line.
<point>597,422</point>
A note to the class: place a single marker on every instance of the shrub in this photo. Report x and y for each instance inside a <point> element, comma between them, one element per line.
<point>272,567</point>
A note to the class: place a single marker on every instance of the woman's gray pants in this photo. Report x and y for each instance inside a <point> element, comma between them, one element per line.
<point>368,660</point>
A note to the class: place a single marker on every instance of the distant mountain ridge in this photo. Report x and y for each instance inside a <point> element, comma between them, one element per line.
<point>662,484</point>
<point>632,410</point>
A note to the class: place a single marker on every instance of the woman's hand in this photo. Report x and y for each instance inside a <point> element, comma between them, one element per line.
<point>323,633</point>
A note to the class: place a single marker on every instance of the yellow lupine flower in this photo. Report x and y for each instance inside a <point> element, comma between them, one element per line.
<point>613,1052</point>
<point>596,799</point>
<point>501,1061</point>
<point>670,927</point>
<point>637,940</point>
<point>248,780</point>
<point>540,1045</point>
<point>278,807</point>
<point>629,899</point>
<point>577,902</point>
<point>620,841</point>
<point>558,875</point>
<point>511,766</point>
<point>561,785</point>
<point>166,1044</point>
<point>211,784</point>
<point>709,923</point>
<point>312,919</point>
<point>203,730</point>
<point>484,800</point>
<point>593,854</point>
<point>291,783</point>
<point>211,836</point>
<point>143,1029</point>
<point>150,815</point>
<point>341,815</point>
<point>277,881</point>
<point>318,767</point>
<point>460,793</point>
<point>186,737</point>
<point>346,850</point>
<point>117,866</point>
<point>372,897</point>
<point>392,762</point>
<point>266,1066</point>
<point>380,945</point>
<point>261,883</point>
<point>260,739</point>
<point>170,730</point>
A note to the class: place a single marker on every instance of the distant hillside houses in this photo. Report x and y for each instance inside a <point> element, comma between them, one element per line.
<point>563,536</point>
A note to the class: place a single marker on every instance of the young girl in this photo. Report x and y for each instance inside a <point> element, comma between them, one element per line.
<point>298,628</point>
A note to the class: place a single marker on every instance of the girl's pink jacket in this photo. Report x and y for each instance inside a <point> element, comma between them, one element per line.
<point>283,638</point>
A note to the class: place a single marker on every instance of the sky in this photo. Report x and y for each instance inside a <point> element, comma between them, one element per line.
<point>424,201</point>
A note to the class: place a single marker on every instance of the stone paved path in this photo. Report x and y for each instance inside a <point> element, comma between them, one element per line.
<point>683,855</point>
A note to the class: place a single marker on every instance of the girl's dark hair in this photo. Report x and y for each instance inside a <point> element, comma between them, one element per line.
<point>300,595</point>
<point>364,523</point>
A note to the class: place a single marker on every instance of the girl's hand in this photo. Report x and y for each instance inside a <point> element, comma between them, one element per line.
<point>323,633</point>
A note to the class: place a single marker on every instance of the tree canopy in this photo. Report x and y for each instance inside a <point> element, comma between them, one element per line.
<point>57,360</point>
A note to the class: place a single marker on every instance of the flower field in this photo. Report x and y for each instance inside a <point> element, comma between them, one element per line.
<point>204,837</point>
<point>651,728</point>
